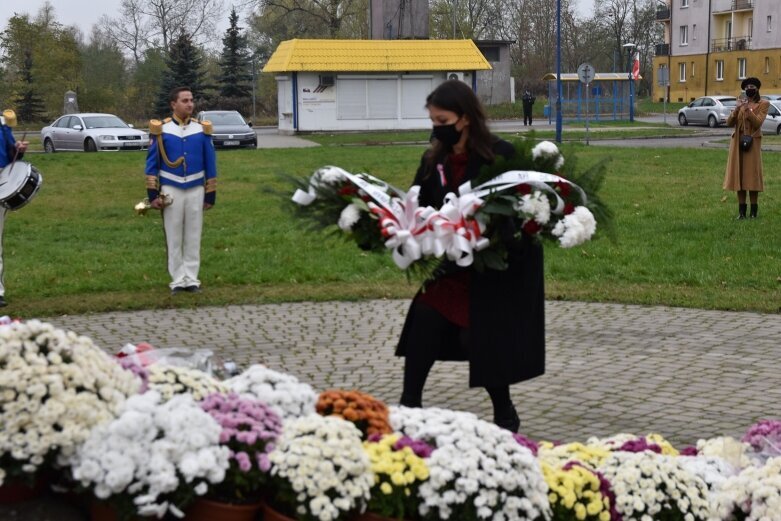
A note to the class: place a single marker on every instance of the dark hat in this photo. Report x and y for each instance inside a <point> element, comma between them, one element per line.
<point>751,81</point>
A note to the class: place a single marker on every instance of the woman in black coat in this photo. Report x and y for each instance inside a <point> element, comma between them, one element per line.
<point>493,319</point>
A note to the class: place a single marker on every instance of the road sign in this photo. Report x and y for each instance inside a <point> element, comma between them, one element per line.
<point>586,73</point>
<point>663,76</point>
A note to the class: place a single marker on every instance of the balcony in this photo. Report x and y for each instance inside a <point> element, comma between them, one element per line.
<point>738,5</point>
<point>662,49</point>
<point>662,14</point>
<point>737,43</point>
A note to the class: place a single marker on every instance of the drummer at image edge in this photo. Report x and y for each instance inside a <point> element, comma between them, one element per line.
<point>10,151</point>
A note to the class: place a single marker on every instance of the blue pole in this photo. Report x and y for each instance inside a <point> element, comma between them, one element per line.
<point>558,71</point>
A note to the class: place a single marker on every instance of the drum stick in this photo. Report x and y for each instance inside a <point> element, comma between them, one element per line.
<point>16,155</point>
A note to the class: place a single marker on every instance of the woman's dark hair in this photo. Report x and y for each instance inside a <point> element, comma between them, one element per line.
<point>456,96</point>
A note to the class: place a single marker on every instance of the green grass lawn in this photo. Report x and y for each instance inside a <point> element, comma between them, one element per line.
<point>79,247</point>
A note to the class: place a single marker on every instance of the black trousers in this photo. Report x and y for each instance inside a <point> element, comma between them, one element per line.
<point>527,116</point>
<point>429,327</point>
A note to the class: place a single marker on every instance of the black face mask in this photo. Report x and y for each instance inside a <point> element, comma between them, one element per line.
<point>448,135</point>
<point>751,93</point>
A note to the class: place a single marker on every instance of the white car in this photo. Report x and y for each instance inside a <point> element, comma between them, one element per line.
<point>91,132</point>
<point>707,110</point>
<point>772,123</point>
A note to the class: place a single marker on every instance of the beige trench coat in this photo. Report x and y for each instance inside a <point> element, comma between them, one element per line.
<point>744,169</point>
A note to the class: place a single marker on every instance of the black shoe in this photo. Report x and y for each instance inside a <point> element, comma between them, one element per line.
<point>754,211</point>
<point>177,290</point>
<point>193,289</point>
<point>508,420</point>
<point>3,303</point>
<point>411,401</point>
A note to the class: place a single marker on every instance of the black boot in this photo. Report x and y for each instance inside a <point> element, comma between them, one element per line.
<point>411,401</point>
<point>741,211</point>
<point>754,210</point>
<point>508,419</point>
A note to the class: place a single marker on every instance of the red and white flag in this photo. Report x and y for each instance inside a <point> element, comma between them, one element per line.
<point>636,67</point>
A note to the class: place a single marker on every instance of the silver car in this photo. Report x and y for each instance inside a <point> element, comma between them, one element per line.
<point>772,123</point>
<point>707,110</point>
<point>92,132</point>
<point>229,129</point>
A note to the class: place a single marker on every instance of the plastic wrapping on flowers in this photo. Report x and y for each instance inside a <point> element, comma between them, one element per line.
<point>398,469</point>
<point>154,457</point>
<point>477,471</point>
<point>764,438</point>
<point>367,413</point>
<point>55,387</point>
<point>250,430</point>
<point>753,495</point>
<point>284,393</point>
<point>320,470</point>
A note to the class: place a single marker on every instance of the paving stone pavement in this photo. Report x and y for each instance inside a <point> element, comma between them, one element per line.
<point>684,373</point>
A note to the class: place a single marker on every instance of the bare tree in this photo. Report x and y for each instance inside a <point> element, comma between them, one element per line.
<point>131,30</point>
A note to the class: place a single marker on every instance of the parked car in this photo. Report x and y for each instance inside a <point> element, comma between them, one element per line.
<point>772,123</point>
<point>92,132</point>
<point>771,97</point>
<point>229,129</point>
<point>707,110</point>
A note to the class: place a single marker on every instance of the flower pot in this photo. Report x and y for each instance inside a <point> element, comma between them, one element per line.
<point>371,516</point>
<point>103,511</point>
<point>208,510</point>
<point>18,491</point>
<point>270,514</point>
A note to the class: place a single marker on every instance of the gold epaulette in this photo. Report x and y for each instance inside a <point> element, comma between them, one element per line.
<point>207,127</point>
<point>9,118</point>
<point>155,127</point>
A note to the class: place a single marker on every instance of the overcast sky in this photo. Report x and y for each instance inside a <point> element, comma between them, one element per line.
<point>84,13</point>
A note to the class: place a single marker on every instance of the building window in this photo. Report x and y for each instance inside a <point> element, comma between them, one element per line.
<point>741,68</point>
<point>767,64</point>
<point>490,53</point>
<point>692,71</point>
<point>684,3</point>
<point>750,27</point>
<point>684,35</point>
<point>720,70</point>
<point>694,31</point>
<point>682,72</point>
<point>769,23</point>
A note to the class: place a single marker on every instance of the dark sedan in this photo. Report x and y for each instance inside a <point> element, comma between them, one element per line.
<point>229,129</point>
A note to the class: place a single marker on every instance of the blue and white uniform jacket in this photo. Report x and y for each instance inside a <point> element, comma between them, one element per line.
<point>7,145</point>
<point>186,161</point>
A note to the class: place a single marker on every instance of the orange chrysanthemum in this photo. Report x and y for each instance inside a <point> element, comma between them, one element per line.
<point>369,414</point>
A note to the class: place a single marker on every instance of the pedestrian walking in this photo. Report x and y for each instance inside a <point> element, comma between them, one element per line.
<point>493,319</point>
<point>528,103</point>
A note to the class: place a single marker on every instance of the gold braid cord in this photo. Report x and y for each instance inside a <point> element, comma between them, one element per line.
<point>168,162</point>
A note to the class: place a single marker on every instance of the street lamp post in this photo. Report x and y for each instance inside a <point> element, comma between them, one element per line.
<point>629,47</point>
<point>254,88</point>
<point>558,72</point>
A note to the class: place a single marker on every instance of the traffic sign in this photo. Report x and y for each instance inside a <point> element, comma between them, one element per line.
<point>586,73</point>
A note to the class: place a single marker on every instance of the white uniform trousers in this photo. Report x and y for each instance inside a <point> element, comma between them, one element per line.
<point>183,222</point>
<point>3,211</point>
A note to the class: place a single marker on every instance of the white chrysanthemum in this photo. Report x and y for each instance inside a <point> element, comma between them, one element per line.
<point>55,386</point>
<point>349,217</point>
<point>634,476</point>
<point>329,175</point>
<point>171,380</point>
<point>152,449</point>
<point>576,228</point>
<point>736,452</point>
<point>547,149</point>
<point>535,205</point>
<point>756,492</point>
<point>476,464</point>
<point>286,396</point>
<point>322,459</point>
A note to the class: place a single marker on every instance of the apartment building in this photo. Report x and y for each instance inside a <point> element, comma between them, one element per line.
<point>710,46</point>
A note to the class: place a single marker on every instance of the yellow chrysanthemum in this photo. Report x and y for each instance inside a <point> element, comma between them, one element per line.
<point>386,488</point>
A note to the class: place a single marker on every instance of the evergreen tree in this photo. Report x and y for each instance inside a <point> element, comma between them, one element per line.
<point>234,63</point>
<point>184,63</point>
<point>30,106</point>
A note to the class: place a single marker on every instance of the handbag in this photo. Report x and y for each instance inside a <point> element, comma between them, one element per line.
<point>745,143</point>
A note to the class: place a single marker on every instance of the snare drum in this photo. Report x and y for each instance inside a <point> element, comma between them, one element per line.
<point>19,182</point>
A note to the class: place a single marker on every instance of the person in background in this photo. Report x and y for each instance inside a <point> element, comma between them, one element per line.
<point>744,163</point>
<point>493,319</point>
<point>181,165</point>
<point>528,102</point>
<point>10,151</point>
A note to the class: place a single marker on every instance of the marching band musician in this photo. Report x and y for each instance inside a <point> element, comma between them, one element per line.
<point>10,151</point>
<point>181,180</point>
